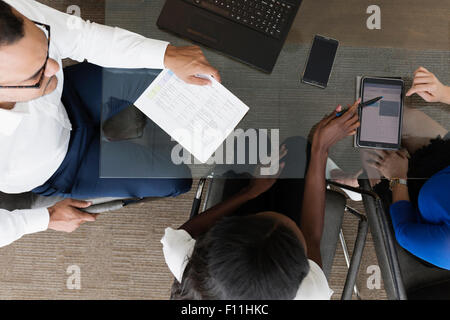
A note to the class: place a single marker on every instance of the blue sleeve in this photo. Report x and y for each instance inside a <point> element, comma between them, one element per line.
<point>430,242</point>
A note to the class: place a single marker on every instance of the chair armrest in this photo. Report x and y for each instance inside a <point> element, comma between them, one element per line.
<point>384,243</point>
<point>198,198</point>
<point>358,249</point>
<point>105,207</point>
<point>387,255</point>
<point>360,242</point>
<point>357,190</point>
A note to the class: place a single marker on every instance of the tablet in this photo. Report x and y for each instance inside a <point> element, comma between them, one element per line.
<point>381,122</point>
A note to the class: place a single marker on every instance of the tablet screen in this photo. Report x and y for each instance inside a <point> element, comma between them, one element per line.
<point>380,122</point>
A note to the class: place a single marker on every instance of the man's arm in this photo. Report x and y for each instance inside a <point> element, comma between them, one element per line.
<point>15,224</point>
<point>118,48</point>
<point>102,45</point>
<point>63,216</point>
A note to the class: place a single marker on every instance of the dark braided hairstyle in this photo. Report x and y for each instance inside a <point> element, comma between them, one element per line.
<point>244,258</point>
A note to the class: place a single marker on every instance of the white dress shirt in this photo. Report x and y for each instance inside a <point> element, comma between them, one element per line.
<point>34,136</point>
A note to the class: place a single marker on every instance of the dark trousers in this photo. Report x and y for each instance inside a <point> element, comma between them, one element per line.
<point>87,90</point>
<point>286,195</point>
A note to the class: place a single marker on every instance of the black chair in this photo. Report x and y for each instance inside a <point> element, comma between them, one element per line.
<point>405,276</point>
<point>219,189</point>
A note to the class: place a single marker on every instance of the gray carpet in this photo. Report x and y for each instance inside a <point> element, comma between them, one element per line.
<point>120,257</point>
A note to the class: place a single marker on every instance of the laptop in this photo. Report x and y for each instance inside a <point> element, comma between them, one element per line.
<point>251,31</point>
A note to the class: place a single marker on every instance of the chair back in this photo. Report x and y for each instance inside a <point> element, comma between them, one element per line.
<point>405,275</point>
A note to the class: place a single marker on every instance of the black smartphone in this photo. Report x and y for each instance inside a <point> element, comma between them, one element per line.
<point>320,62</point>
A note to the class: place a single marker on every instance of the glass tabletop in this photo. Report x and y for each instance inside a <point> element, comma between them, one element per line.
<point>282,108</point>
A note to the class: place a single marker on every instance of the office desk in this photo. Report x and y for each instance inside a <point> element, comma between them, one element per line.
<point>279,100</point>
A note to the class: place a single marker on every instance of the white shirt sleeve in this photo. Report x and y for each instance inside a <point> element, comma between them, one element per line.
<point>101,45</point>
<point>315,285</point>
<point>178,246</point>
<point>15,224</point>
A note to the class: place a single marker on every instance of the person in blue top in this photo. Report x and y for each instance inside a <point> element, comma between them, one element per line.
<point>422,229</point>
<point>420,210</point>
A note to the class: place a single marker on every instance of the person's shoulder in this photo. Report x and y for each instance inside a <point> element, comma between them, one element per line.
<point>441,177</point>
<point>315,285</point>
<point>177,240</point>
<point>435,189</point>
<point>177,248</point>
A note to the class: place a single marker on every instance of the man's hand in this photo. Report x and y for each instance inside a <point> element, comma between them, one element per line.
<point>426,85</point>
<point>187,62</point>
<point>65,216</point>
<point>333,129</point>
<point>391,164</point>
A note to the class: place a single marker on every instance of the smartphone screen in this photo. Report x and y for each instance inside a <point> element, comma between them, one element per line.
<point>320,61</point>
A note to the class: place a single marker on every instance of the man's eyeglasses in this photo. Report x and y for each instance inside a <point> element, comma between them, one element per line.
<point>42,70</point>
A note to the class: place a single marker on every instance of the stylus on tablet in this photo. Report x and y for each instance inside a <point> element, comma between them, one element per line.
<point>362,104</point>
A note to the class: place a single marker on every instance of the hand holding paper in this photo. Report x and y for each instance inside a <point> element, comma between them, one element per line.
<point>199,118</point>
<point>187,62</point>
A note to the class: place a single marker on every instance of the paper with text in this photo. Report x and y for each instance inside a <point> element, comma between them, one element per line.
<point>199,118</point>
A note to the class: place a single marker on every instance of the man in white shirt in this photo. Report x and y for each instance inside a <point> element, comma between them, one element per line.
<point>39,133</point>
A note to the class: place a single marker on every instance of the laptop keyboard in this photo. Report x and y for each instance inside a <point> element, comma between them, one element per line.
<point>266,16</point>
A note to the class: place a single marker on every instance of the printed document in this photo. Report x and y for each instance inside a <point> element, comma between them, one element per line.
<point>199,118</point>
